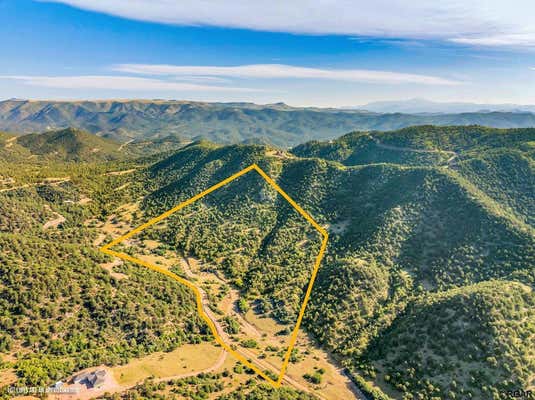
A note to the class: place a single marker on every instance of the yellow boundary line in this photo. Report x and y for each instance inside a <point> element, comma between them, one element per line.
<point>237,355</point>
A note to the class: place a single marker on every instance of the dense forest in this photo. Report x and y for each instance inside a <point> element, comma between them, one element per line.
<point>426,290</point>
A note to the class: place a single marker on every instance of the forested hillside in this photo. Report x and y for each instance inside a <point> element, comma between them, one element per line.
<point>227,123</point>
<point>60,310</point>
<point>401,234</point>
<point>10,150</point>
<point>426,290</point>
<point>70,145</point>
<point>498,162</point>
<point>478,333</point>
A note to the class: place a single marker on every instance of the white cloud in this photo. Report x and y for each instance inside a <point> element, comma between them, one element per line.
<point>119,83</point>
<point>481,22</point>
<point>280,71</point>
<point>526,39</point>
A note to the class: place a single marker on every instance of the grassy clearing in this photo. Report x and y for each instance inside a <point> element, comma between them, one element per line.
<point>264,324</point>
<point>186,359</point>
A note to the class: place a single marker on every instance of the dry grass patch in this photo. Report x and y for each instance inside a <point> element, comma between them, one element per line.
<point>184,360</point>
<point>334,383</point>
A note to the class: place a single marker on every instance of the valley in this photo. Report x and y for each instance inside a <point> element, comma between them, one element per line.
<point>237,327</point>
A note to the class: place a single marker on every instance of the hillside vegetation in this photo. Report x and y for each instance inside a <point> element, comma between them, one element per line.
<point>60,310</point>
<point>401,234</point>
<point>10,150</point>
<point>447,343</point>
<point>499,162</point>
<point>70,145</point>
<point>426,290</point>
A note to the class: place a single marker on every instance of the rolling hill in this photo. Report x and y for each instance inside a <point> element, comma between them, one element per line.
<point>498,162</point>
<point>10,150</point>
<point>70,145</point>
<point>462,334</point>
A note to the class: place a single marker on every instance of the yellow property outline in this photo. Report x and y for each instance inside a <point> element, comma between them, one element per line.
<point>240,357</point>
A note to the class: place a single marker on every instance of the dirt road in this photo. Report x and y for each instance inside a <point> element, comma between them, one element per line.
<point>53,223</point>
<point>218,364</point>
<point>266,365</point>
<point>452,154</point>
<point>9,142</point>
<point>47,181</point>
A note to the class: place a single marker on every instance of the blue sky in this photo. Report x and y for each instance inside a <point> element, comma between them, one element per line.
<point>323,52</point>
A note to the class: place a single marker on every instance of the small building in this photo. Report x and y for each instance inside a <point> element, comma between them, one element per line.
<point>80,378</point>
<point>93,379</point>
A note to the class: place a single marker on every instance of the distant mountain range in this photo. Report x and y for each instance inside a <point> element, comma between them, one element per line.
<point>278,124</point>
<point>419,106</point>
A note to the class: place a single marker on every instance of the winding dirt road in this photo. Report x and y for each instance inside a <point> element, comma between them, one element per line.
<point>266,365</point>
<point>452,154</point>
<point>53,223</point>
<point>48,181</point>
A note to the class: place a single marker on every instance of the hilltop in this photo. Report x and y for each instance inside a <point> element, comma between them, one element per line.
<point>278,124</point>
<point>499,162</point>
<point>10,150</point>
<point>445,343</point>
<point>70,145</point>
<point>419,145</point>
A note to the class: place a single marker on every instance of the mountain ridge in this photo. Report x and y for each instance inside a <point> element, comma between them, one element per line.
<point>278,124</point>
<point>422,105</point>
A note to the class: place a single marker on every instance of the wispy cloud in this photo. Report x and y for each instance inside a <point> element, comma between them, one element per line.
<point>281,71</point>
<point>509,40</point>
<point>120,83</point>
<point>480,22</point>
